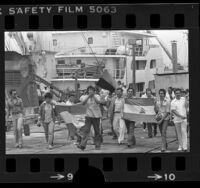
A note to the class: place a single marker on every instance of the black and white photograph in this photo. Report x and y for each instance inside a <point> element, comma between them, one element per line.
<point>85,92</point>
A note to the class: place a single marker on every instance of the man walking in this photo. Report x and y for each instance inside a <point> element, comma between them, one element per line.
<point>162,108</point>
<point>117,113</point>
<point>47,116</point>
<point>92,118</point>
<point>149,95</point>
<point>16,110</point>
<point>130,125</point>
<point>179,109</point>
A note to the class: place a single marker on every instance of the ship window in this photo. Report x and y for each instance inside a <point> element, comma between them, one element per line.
<point>54,42</point>
<point>61,62</point>
<point>90,40</point>
<point>152,64</point>
<point>141,64</point>
<point>139,42</point>
<point>12,78</point>
<point>140,87</point>
<point>152,84</point>
<point>78,61</point>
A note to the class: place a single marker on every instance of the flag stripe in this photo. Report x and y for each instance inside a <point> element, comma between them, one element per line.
<point>139,109</point>
<point>105,85</point>
<point>107,82</point>
<point>140,101</point>
<point>74,109</point>
<point>139,117</point>
<point>149,110</point>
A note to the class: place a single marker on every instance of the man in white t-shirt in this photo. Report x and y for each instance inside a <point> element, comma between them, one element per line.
<point>179,109</point>
<point>170,94</point>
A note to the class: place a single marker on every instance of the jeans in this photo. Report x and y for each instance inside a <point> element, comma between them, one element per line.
<point>17,121</point>
<point>49,132</point>
<point>149,127</point>
<point>163,132</point>
<point>71,130</point>
<point>181,129</point>
<point>85,131</point>
<point>130,125</point>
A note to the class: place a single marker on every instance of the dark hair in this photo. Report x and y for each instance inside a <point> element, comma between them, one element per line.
<point>90,87</point>
<point>71,95</point>
<point>163,90</point>
<point>148,89</point>
<point>170,88</point>
<point>119,88</point>
<point>130,88</point>
<point>187,90</point>
<point>48,95</point>
<point>119,82</point>
<point>177,89</point>
<point>11,91</point>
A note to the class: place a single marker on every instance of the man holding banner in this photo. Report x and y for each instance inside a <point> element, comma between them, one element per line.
<point>130,125</point>
<point>139,110</point>
<point>117,115</point>
<point>148,94</point>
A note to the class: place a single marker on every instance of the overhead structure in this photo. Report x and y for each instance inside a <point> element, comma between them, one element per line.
<point>161,44</point>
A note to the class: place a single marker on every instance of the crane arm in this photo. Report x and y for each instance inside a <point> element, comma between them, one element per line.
<point>41,80</point>
<point>161,44</point>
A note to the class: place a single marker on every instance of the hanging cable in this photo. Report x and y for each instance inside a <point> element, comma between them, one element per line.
<point>90,47</point>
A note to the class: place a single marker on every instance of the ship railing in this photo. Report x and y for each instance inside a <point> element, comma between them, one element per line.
<point>64,73</point>
<point>139,51</point>
<point>117,73</point>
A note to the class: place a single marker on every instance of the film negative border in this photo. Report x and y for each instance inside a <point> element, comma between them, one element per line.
<point>99,17</point>
<point>66,168</point>
<point>114,167</point>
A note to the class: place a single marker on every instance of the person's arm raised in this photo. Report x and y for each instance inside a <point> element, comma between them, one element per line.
<point>85,100</point>
<point>97,99</point>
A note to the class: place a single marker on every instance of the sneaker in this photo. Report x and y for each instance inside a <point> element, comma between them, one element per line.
<point>185,150</point>
<point>50,147</point>
<point>81,147</point>
<point>16,145</point>
<point>180,149</point>
<point>129,146</point>
<point>20,146</point>
<point>163,150</point>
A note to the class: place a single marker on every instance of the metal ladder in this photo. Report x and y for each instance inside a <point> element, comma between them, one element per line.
<point>116,39</point>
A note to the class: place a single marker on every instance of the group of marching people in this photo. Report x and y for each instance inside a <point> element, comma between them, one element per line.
<point>169,107</point>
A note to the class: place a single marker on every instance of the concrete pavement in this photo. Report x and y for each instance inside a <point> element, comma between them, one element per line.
<point>35,143</point>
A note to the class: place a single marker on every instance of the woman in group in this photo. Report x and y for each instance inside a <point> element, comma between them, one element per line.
<point>47,116</point>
